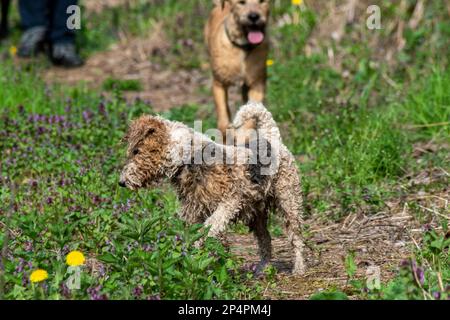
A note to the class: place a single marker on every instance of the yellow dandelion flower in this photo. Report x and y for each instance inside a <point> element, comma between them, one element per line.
<point>13,50</point>
<point>38,275</point>
<point>269,62</point>
<point>297,2</point>
<point>75,258</point>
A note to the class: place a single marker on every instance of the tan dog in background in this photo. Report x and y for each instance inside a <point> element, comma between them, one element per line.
<point>238,47</point>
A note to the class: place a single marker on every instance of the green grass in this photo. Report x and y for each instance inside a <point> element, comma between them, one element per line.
<point>111,84</point>
<point>61,149</point>
<point>357,148</point>
<point>355,135</point>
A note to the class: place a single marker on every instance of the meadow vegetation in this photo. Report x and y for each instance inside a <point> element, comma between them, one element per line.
<point>364,129</point>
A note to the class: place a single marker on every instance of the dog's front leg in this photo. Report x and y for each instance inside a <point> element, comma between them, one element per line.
<point>222,216</point>
<point>244,91</point>
<point>220,93</point>
<point>257,91</point>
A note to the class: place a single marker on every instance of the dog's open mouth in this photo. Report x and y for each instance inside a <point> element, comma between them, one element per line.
<point>255,36</point>
<point>255,33</point>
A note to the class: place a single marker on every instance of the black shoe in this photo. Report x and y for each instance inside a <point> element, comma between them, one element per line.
<point>65,55</point>
<point>32,42</point>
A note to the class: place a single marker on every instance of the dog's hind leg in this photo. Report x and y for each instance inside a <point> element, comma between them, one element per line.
<point>262,235</point>
<point>290,203</point>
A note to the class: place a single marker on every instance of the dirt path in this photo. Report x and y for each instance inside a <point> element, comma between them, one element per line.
<point>131,59</point>
<point>380,240</point>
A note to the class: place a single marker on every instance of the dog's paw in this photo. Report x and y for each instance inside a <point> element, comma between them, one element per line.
<point>260,267</point>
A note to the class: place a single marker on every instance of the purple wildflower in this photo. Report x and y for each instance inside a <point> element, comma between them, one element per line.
<point>405,263</point>
<point>101,270</point>
<point>25,280</point>
<point>96,200</point>
<point>147,247</point>
<point>20,266</point>
<point>137,292</point>
<point>437,295</point>
<point>161,235</point>
<point>87,116</point>
<point>40,130</point>
<point>68,107</point>
<point>102,109</point>
<point>65,291</point>
<point>417,272</point>
<point>28,246</point>
<point>95,294</point>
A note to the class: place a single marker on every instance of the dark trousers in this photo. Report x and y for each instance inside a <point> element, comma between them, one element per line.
<point>48,13</point>
<point>4,17</point>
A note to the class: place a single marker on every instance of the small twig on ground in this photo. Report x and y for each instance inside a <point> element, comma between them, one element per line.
<point>445,172</point>
<point>434,212</point>
<point>428,125</point>
<point>14,233</point>
<point>415,242</point>
<point>441,283</point>
<point>417,15</point>
<point>389,81</point>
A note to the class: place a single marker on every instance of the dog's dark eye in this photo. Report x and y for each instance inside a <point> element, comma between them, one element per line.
<point>242,2</point>
<point>135,152</point>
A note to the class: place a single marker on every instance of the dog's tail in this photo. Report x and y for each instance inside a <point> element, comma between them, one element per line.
<point>259,118</point>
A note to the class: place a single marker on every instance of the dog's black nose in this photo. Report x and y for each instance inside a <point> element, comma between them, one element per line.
<point>254,16</point>
<point>122,184</point>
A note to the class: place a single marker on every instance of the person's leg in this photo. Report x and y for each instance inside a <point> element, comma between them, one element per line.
<point>62,39</point>
<point>33,13</point>
<point>34,16</point>
<point>4,19</point>
<point>59,32</point>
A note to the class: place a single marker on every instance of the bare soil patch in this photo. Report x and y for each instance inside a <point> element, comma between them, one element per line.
<point>131,59</point>
<point>99,5</point>
<point>380,240</point>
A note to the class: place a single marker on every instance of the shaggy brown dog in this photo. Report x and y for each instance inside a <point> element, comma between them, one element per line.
<point>238,47</point>
<point>216,183</point>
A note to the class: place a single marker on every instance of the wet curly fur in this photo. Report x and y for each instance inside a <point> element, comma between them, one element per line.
<point>217,193</point>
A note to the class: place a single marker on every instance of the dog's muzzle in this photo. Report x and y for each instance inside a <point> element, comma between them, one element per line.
<point>129,178</point>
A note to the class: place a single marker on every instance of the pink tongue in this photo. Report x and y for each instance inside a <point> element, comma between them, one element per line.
<point>255,37</point>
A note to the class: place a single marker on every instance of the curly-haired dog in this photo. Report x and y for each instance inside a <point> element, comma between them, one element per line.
<point>238,46</point>
<point>217,183</point>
